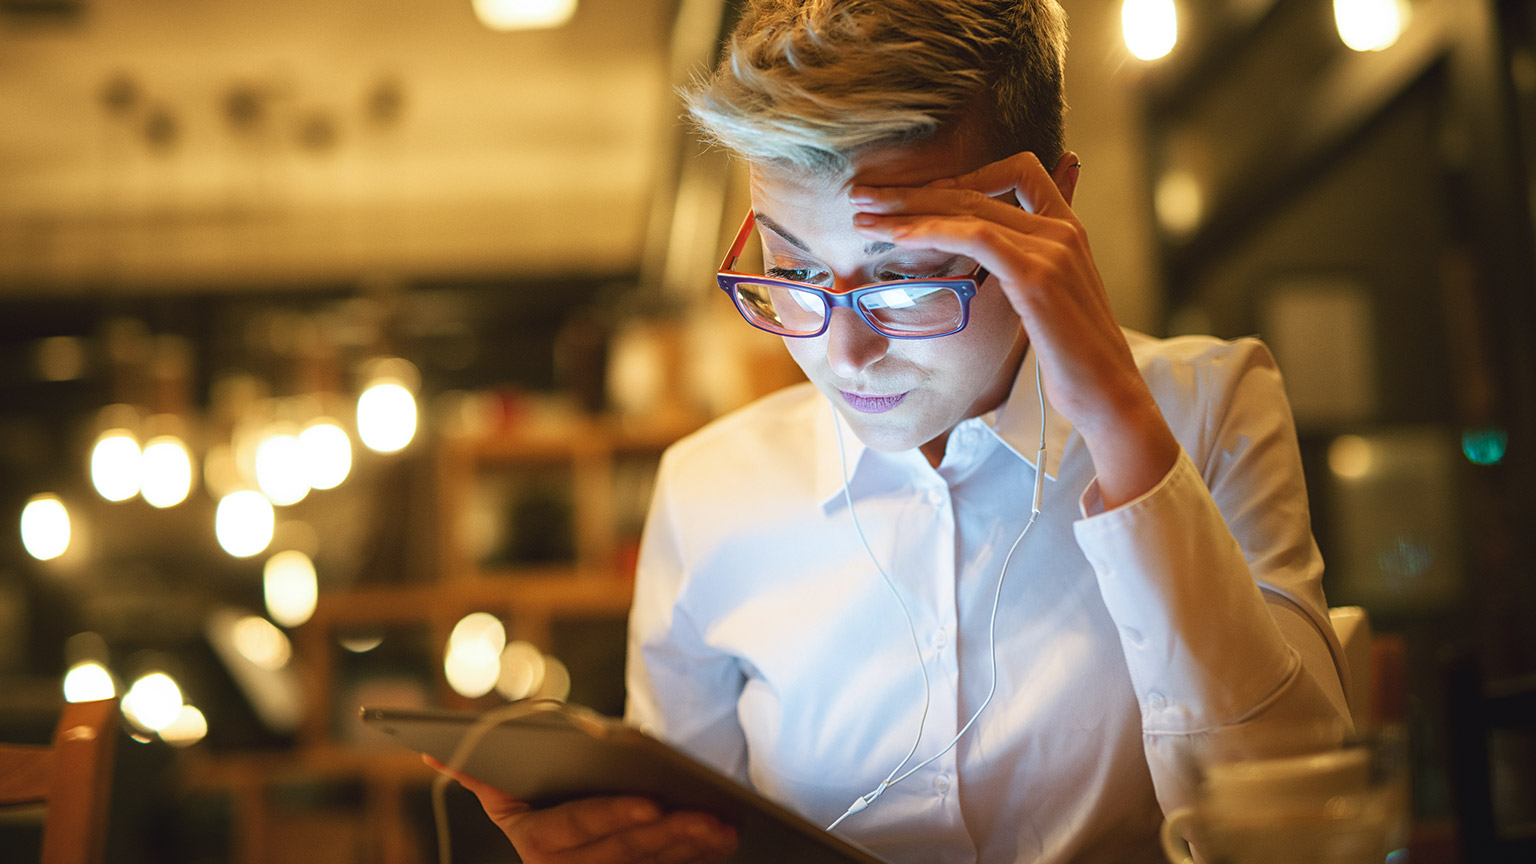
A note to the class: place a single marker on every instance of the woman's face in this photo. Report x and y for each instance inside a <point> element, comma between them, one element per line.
<point>895,394</point>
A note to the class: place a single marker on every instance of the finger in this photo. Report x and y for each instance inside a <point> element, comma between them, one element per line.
<point>497,804</point>
<point>965,233</point>
<point>580,823</point>
<point>679,838</point>
<point>1021,174</point>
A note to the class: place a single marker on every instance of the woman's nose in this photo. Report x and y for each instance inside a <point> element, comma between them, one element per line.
<point>852,346</point>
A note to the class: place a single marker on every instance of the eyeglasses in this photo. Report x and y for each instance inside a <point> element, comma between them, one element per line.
<point>902,309</point>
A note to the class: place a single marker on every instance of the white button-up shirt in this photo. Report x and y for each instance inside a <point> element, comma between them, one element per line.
<point>1129,643</point>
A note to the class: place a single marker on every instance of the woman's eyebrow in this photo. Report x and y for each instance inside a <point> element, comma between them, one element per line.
<point>877,248</point>
<point>779,230</point>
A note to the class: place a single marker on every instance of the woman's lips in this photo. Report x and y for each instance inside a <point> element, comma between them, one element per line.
<point>872,404</point>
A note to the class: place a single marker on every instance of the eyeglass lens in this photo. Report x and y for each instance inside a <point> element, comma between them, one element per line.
<point>919,309</point>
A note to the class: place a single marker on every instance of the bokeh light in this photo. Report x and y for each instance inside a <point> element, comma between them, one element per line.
<point>524,14</point>
<point>290,587</point>
<point>153,702</point>
<point>244,523</point>
<point>116,465</point>
<point>189,727</point>
<point>386,417</point>
<point>1370,25</point>
<point>88,682</point>
<point>522,671</point>
<point>327,454</point>
<point>1485,446</point>
<point>259,641</point>
<point>45,530</point>
<point>472,663</point>
<point>280,467</point>
<point>166,471</point>
<point>1151,27</point>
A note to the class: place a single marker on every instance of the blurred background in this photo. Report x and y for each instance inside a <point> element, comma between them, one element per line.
<point>339,341</point>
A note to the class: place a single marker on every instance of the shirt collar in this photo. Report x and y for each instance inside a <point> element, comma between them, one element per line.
<point>1016,423</point>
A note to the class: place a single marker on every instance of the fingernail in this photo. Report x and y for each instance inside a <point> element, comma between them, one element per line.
<point>943,183</point>
<point>861,194</point>
<point>644,811</point>
<point>865,220</point>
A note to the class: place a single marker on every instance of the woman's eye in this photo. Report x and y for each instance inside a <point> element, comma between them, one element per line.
<point>898,277</point>
<point>792,275</point>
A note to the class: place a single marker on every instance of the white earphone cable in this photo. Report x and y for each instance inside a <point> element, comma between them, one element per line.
<point>893,778</point>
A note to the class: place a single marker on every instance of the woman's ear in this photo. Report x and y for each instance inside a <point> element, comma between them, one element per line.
<point>1065,175</point>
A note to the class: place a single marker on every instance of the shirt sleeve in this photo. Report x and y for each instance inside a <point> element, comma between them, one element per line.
<point>678,687</point>
<point>1213,580</point>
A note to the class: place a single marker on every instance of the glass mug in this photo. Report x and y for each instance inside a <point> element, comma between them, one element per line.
<point>1345,806</point>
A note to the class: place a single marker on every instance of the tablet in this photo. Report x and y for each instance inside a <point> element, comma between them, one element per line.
<point>553,752</point>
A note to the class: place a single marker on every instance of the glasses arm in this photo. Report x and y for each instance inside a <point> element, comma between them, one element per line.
<point>740,242</point>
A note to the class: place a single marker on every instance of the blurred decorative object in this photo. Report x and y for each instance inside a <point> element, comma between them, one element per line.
<point>260,642</point>
<point>1371,25</point>
<point>1151,27</point>
<point>291,588</point>
<point>45,527</point>
<point>251,652</point>
<point>1323,333</point>
<point>59,358</point>
<point>1485,446</point>
<point>244,523</point>
<point>1397,539</point>
<point>524,14</point>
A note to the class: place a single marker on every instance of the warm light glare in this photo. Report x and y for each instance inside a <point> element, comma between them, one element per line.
<point>1151,27</point>
<point>153,702</point>
<point>473,662</point>
<point>386,417</point>
<point>522,671</point>
<point>45,527</point>
<point>280,468</point>
<point>524,14</point>
<point>472,669</point>
<point>244,523</point>
<point>166,468</point>
<point>259,641</point>
<point>290,587</point>
<point>1179,203</point>
<point>189,727</point>
<point>88,682</point>
<point>327,454</point>
<point>115,465</point>
<point>1351,457</point>
<point>1370,25</point>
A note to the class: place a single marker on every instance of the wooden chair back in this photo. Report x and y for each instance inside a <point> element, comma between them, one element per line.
<point>72,777</point>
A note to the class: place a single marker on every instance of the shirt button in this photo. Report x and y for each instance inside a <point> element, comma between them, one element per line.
<point>942,784</point>
<point>940,638</point>
<point>936,498</point>
<point>1156,701</point>
<point>1132,635</point>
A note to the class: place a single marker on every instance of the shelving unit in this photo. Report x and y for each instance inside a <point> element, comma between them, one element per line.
<point>605,467</point>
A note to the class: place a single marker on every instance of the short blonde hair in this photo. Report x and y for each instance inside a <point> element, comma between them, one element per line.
<point>811,83</point>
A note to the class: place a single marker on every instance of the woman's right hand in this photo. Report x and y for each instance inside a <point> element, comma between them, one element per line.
<point>618,830</point>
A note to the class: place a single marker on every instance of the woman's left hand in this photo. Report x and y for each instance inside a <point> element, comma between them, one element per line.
<point>1037,250</point>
